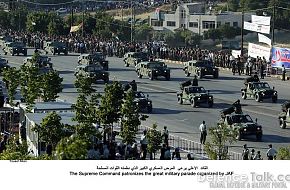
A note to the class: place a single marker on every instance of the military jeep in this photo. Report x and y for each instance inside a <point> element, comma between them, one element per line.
<point>95,72</point>
<point>42,61</point>
<point>142,102</point>
<point>95,58</point>
<point>200,68</point>
<point>244,125</point>
<point>14,48</point>
<point>259,91</point>
<point>4,39</point>
<point>153,69</point>
<point>284,116</point>
<point>195,95</point>
<point>55,48</point>
<point>133,58</point>
<point>3,64</point>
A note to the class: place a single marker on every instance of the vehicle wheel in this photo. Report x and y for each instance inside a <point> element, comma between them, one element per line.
<point>66,53</point>
<point>12,54</point>
<point>151,76</point>
<point>46,52</point>
<point>106,80</point>
<point>259,137</point>
<point>199,75</point>
<point>244,95</point>
<point>25,54</point>
<point>210,104</point>
<point>139,75</point>
<point>167,77</point>
<point>193,103</point>
<point>17,54</point>
<point>257,98</point>
<point>149,109</point>
<point>126,64</point>
<point>187,74</point>
<point>274,99</point>
<point>53,53</point>
<point>58,53</point>
<point>216,75</point>
<point>5,53</point>
<point>179,100</point>
<point>282,123</point>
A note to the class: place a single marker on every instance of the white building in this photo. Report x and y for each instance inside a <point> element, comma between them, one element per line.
<point>192,16</point>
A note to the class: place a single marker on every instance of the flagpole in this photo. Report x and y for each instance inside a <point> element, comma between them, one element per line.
<point>83,18</point>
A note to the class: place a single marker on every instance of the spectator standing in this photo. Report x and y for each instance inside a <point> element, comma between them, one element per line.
<point>245,154</point>
<point>165,135</point>
<point>258,156</point>
<point>144,143</point>
<point>283,73</point>
<point>271,153</point>
<point>203,132</point>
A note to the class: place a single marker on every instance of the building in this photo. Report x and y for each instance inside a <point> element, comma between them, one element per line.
<point>192,16</point>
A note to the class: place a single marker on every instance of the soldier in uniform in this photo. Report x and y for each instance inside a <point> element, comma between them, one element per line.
<point>194,81</point>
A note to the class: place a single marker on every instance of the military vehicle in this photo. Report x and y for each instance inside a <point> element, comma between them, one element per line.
<point>130,85</point>
<point>4,39</point>
<point>42,61</point>
<point>242,123</point>
<point>133,58</point>
<point>143,102</point>
<point>14,48</point>
<point>3,64</point>
<point>153,69</point>
<point>94,58</point>
<point>200,68</point>
<point>195,95</point>
<point>284,116</point>
<point>259,91</point>
<point>95,72</point>
<point>55,48</point>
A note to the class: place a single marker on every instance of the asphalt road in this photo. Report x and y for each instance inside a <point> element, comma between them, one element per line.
<point>183,120</point>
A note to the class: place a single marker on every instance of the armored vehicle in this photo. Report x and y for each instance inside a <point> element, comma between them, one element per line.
<point>153,69</point>
<point>259,91</point>
<point>143,102</point>
<point>195,95</point>
<point>95,72</point>
<point>55,48</point>
<point>284,116</point>
<point>244,125</point>
<point>4,39</point>
<point>14,48</point>
<point>95,58</point>
<point>200,68</point>
<point>133,58</point>
<point>42,61</point>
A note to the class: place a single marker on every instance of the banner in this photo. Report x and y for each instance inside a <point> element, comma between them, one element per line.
<point>236,53</point>
<point>262,20</point>
<point>257,27</point>
<point>258,51</point>
<point>76,28</point>
<point>280,56</point>
<point>264,39</point>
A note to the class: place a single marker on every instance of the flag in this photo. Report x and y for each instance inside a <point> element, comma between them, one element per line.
<point>76,28</point>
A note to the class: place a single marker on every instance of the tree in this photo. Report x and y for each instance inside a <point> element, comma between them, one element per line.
<point>130,119</point>
<point>11,76</point>
<point>84,85</point>
<point>213,34</point>
<point>71,148</point>
<point>104,25</point>
<point>51,130</point>
<point>154,140</point>
<point>110,108</point>
<point>220,137</point>
<point>143,32</point>
<point>283,153</point>
<point>51,86</point>
<point>30,83</point>
<point>229,32</point>
<point>233,5</point>
<point>16,151</point>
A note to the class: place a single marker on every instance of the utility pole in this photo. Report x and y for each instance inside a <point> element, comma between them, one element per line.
<point>83,18</point>
<point>131,21</point>
<point>273,24</point>
<point>19,16</point>
<point>72,17</point>
<point>242,33</point>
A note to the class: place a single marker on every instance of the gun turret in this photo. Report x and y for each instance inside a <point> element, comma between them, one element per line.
<point>285,106</point>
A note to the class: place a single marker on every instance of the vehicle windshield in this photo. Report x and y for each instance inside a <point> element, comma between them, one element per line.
<point>97,57</point>
<point>58,44</point>
<point>140,55</point>
<point>94,68</point>
<point>261,85</point>
<point>17,44</point>
<point>241,119</point>
<point>204,63</point>
<point>196,89</point>
<point>156,65</point>
<point>139,95</point>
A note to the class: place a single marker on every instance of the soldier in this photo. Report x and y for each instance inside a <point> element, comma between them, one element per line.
<point>256,78</point>
<point>203,132</point>
<point>133,85</point>
<point>262,70</point>
<point>165,135</point>
<point>238,107</point>
<point>283,73</point>
<point>194,81</point>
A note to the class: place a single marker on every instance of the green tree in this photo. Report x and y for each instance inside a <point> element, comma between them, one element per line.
<point>72,148</point>
<point>104,25</point>
<point>11,76</point>
<point>84,85</point>
<point>110,108</point>
<point>154,140</point>
<point>16,151</point>
<point>213,34</point>
<point>233,5</point>
<point>51,130</point>
<point>51,86</point>
<point>229,32</point>
<point>143,32</point>
<point>130,119</point>
<point>220,137</point>
<point>283,153</point>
